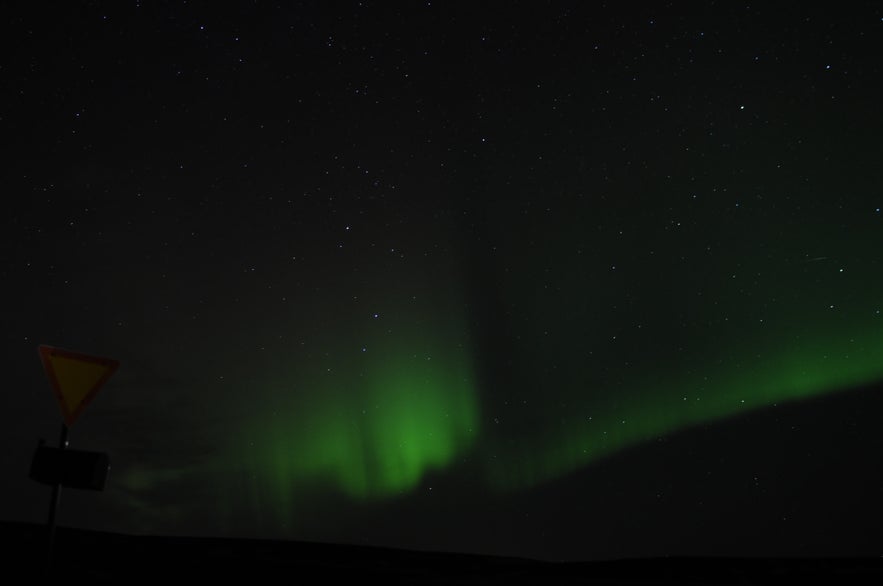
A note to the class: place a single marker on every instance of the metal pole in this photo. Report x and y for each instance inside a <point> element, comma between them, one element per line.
<point>53,504</point>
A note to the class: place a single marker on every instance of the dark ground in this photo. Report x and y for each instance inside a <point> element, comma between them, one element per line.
<point>91,556</point>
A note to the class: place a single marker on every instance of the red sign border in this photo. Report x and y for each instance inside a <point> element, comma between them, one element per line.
<point>47,351</point>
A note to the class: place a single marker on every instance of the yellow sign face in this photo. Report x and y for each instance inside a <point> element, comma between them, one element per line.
<point>75,378</point>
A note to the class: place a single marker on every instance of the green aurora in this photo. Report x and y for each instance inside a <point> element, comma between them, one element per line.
<point>672,403</point>
<point>568,384</point>
<point>403,404</point>
<point>677,329</point>
<point>378,427</point>
<point>382,402</point>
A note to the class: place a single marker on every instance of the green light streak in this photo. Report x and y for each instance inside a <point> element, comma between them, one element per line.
<point>656,406</point>
<point>584,362</point>
<point>372,428</point>
<point>620,329</point>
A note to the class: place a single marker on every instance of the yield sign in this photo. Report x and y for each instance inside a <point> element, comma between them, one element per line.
<point>75,378</point>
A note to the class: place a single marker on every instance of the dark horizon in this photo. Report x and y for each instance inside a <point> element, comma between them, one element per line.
<point>226,559</point>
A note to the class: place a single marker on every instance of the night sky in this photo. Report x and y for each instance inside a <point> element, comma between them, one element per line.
<point>556,280</point>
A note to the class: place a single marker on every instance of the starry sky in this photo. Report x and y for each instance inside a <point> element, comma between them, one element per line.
<point>561,280</point>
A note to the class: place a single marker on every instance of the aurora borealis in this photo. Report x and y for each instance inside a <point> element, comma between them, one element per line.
<point>375,428</point>
<point>549,280</point>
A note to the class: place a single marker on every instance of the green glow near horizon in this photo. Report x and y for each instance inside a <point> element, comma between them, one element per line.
<point>575,372</point>
<point>628,331</point>
<point>670,403</point>
<point>373,428</point>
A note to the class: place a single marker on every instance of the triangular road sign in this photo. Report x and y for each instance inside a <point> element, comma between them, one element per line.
<point>75,378</point>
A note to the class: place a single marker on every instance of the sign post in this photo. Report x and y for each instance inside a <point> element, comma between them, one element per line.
<point>56,496</point>
<point>75,379</point>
